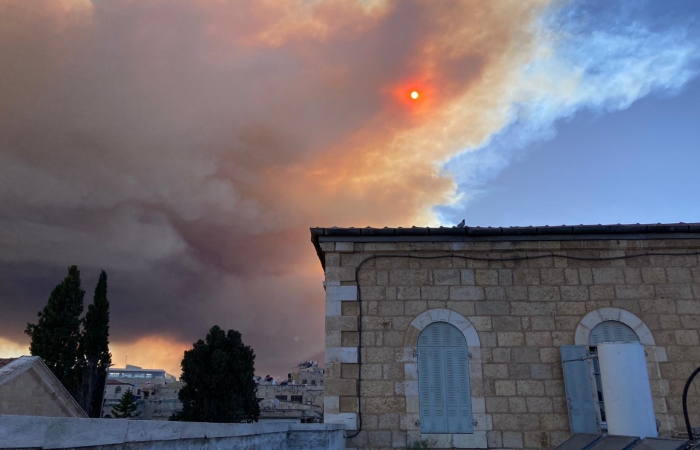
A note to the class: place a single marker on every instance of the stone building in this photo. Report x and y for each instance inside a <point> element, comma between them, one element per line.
<point>297,399</point>
<point>156,392</point>
<point>29,388</point>
<point>487,312</point>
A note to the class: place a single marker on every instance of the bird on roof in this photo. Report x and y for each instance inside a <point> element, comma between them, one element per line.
<point>461,224</point>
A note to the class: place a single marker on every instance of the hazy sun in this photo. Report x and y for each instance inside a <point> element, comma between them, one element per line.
<point>414,95</point>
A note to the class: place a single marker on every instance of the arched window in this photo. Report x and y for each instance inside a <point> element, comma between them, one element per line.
<point>443,380</point>
<point>608,331</point>
<point>118,389</point>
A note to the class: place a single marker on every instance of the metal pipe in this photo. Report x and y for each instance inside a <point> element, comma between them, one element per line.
<point>685,404</point>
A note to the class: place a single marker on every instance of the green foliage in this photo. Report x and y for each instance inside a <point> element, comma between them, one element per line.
<point>95,346</point>
<point>56,337</point>
<point>126,406</point>
<point>79,359</point>
<point>420,444</point>
<point>218,380</point>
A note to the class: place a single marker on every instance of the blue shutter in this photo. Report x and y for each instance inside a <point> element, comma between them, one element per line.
<point>443,380</point>
<point>612,331</point>
<point>579,396</point>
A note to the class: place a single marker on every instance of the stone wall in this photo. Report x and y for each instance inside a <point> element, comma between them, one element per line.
<point>515,315</point>
<point>26,395</point>
<point>25,432</point>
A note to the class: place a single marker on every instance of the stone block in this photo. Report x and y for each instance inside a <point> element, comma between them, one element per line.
<point>674,291</point>
<point>348,404</point>
<point>410,277</point>
<point>542,323</point>
<point>349,308</point>
<point>550,355</point>
<point>526,277</point>
<point>602,292</point>
<point>505,277</point>
<point>408,292</point>
<point>653,275</point>
<point>575,293</point>
<point>517,405</point>
<point>533,308</point>
<point>466,293</point>
<point>496,404</point>
<point>477,439</point>
<point>519,371</point>
<point>526,355</point>
<point>554,421</point>
<point>434,292</point>
<point>632,275</point>
<point>571,276</point>
<point>344,247</point>
<point>467,277</point>
<point>543,293</point>
<point>495,371</point>
<point>349,370</point>
<point>390,308</point>
<point>512,439</point>
<point>530,388</point>
<point>376,388</point>
<point>608,275</point>
<point>348,339</point>
<point>505,387</point>
<point>335,273</point>
<point>383,405</point>
<point>495,293</point>
<point>341,354</point>
<point>341,387</point>
<point>492,308</point>
<point>687,337</point>
<point>446,277</point>
<point>373,292</point>
<point>552,277</point>
<point>341,293</point>
<point>507,323</point>
<point>516,292</point>
<point>486,277</point>
<point>539,405</point>
<point>510,339</point>
<point>494,439</point>
<point>500,355</point>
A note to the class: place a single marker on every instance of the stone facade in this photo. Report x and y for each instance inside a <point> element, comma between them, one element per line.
<point>28,388</point>
<point>517,295</point>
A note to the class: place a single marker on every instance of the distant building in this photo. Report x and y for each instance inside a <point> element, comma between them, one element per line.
<point>29,388</point>
<point>155,391</point>
<point>297,399</point>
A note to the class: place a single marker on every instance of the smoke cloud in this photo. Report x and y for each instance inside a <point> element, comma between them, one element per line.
<point>186,148</point>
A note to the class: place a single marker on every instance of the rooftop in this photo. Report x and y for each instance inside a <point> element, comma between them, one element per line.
<point>530,233</point>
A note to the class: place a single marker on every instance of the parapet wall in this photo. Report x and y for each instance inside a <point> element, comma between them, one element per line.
<point>28,432</point>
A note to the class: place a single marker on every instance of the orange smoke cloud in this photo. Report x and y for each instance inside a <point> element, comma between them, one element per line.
<point>152,352</point>
<point>187,148</point>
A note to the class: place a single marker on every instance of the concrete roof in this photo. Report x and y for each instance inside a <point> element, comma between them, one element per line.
<point>529,233</point>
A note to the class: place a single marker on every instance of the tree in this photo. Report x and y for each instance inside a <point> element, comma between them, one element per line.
<point>56,337</point>
<point>95,346</point>
<point>126,406</point>
<point>218,380</point>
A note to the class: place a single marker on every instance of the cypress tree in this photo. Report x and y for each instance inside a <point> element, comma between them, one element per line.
<point>218,380</point>
<point>95,347</point>
<point>56,337</point>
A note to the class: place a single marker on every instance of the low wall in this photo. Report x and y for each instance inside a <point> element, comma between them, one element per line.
<point>28,432</point>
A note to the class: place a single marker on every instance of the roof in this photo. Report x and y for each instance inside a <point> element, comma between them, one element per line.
<point>6,361</point>
<point>15,367</point>
<point>450,234</point>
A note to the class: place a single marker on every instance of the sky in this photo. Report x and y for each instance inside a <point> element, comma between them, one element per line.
<point>187,147</point>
